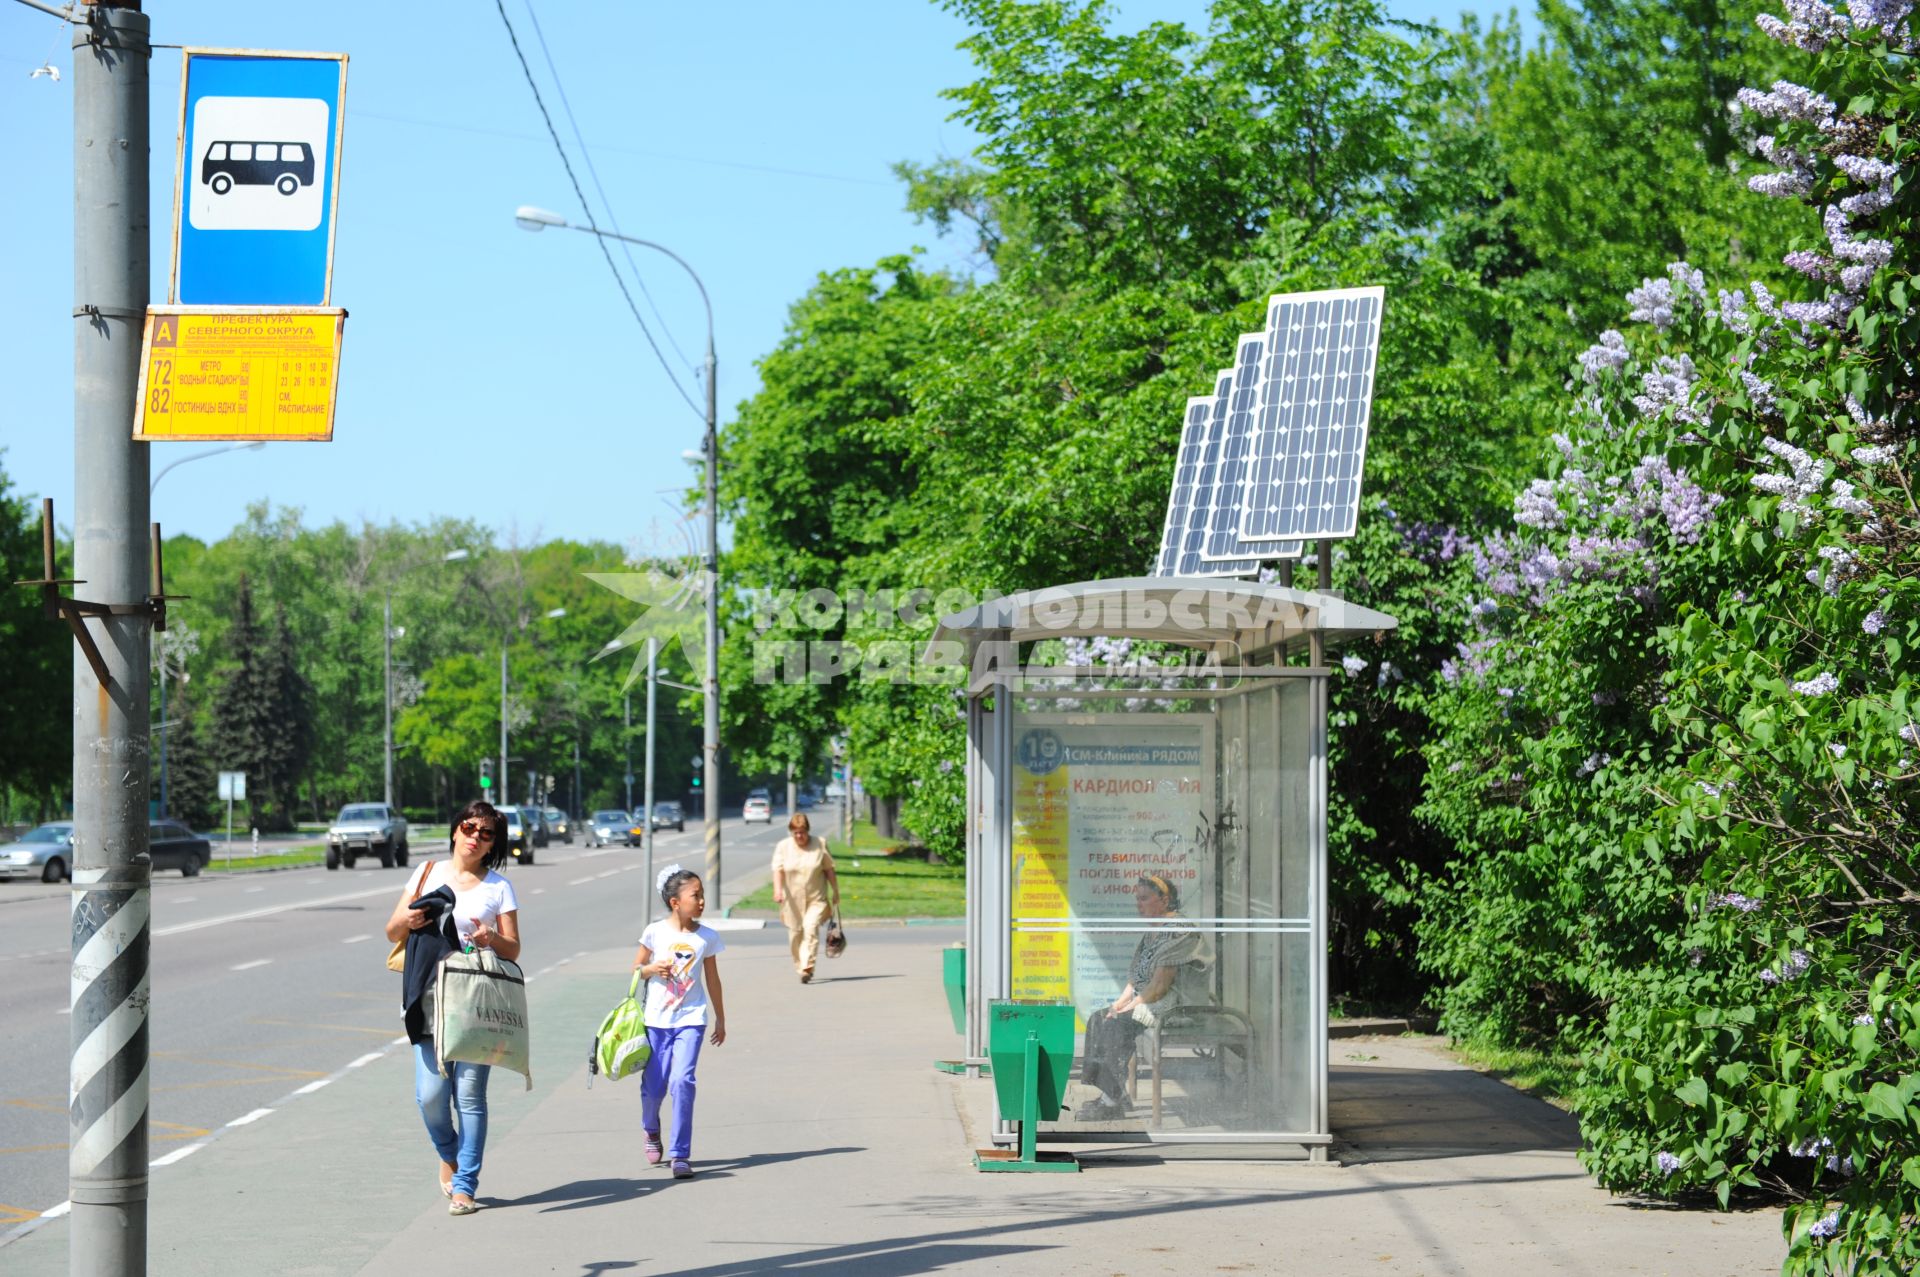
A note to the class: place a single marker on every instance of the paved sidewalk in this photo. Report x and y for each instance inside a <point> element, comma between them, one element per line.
<point>827,1143</point>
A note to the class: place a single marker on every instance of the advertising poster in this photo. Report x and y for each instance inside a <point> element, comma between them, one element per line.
<point>1099,802</point>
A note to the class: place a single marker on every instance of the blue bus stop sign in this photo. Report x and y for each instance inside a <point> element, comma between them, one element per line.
<point>257,178</point>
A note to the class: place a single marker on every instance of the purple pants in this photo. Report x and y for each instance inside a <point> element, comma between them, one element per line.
<point>669,1071</point>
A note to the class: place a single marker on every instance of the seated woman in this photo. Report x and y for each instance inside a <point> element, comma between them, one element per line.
<point>1173,948</point>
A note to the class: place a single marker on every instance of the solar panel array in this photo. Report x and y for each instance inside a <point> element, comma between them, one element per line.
<point>1274,458</point>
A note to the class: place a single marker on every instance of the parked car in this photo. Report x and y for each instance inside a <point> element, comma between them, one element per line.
<point>367,829</point>
<point>537,831</point>
<point>757,809</point>
<point>665,814</point>
<point>44,852</point>
<point>171,845</point>
<point>560,825</point>
<point>610,826</point>
<point>520,843</point>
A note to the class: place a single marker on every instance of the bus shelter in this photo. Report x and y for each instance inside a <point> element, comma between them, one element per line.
<point>1173,807</point>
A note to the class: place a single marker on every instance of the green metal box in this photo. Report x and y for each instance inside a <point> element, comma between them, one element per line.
<point>1009,1024</point>
<point>954,975</point>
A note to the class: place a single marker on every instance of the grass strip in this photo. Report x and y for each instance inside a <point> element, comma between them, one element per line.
<point>880,886</point>
<point>294,858</point>
<point>1541,1074</point>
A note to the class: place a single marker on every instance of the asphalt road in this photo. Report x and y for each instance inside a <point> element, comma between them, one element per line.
<point>266,983</point>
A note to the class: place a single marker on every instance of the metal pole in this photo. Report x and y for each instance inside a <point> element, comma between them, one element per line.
<point>577,808</point>
<point>506,776</point>
<point>388,737</point>
<point>161,647</point>
<point>108,1080</point>
<point>653,651</point>
<point>626,748</point>
<point>712,742</point>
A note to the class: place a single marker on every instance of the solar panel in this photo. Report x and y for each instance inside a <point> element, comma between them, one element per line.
<point>1220,540</point>
<point>1206,469</point>
<point>1306,443</point>
<point>1180,502</point>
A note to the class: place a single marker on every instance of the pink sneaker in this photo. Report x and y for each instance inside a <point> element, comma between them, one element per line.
<point>654,1151</point>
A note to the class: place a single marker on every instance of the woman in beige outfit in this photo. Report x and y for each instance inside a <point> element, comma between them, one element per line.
<point>802,873</point>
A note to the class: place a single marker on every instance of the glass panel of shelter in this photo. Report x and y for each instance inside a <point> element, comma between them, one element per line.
<point>1162,863</point>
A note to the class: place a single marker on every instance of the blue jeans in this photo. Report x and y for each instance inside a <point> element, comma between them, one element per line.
<point>670,1071</point>
<point>438,1096</point>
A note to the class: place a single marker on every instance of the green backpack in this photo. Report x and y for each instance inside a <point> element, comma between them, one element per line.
<point>620,1047</point>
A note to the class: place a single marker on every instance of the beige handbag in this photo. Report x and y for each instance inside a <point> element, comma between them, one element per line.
<point>397,960</point>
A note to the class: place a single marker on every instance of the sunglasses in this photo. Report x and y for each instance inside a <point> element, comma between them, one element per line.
<point>474,829</point>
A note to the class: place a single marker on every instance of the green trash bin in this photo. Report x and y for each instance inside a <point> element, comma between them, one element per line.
<point>954,975</point>
<point>1031,1046</point>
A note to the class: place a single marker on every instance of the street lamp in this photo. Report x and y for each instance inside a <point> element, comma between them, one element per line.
<point>158,647</point>
<point>530,218</point>
<point>451,556</point>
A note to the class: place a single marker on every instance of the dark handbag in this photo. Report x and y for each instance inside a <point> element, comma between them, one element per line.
<point>836,938</point>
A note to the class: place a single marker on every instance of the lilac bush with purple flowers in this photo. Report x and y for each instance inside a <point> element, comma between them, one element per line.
<point>1716,589</point>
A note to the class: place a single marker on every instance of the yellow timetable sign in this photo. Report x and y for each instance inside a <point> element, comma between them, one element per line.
<point>236,372</point>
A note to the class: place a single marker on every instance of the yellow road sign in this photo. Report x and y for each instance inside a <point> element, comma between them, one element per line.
<point>239,372</point>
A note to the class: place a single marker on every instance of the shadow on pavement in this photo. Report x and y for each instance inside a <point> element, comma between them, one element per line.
<point>1407,1115</point>
<point>579,1195</point>
<point>770,1159</point>
<point>851,979</point>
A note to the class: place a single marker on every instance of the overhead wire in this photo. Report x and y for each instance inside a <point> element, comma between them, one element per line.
<point>580,140</point>
<point>592,225</point>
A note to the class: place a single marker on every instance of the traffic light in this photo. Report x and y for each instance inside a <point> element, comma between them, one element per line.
<point>696,782</point>
<point>486,773</point>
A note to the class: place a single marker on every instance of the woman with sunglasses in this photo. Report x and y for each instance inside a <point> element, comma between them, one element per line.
<point>486,915</point>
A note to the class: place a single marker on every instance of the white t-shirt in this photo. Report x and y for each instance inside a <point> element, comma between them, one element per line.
<point>483,903</point>
<point>679,997</point>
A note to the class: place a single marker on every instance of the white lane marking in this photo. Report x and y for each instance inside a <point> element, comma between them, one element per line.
<point>267,912</point>
<point>368,1058</point>
<point>186,900</point>
<point>608,874</point>
<point>246,1118</point>
<point>398,1042</point>
<point>254,891</point>
<point>55,1212</point>
<point>581,881</point>
<point>178,1154</point>
<point>313,1086</point>
<point>539,891</point>
<point>356,939</point>
<point>248,966</point>
<point>64,1011</point>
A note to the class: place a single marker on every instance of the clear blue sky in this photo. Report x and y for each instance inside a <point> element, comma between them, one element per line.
<point>488,372</point>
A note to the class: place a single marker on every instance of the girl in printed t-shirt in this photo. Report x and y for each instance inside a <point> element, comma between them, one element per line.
<point>680,959</point>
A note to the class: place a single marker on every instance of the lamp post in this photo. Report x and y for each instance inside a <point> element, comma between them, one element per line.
<point>451,556</point>
<point>506,784</point>
<point>529,218</point>
<point>159,648</point>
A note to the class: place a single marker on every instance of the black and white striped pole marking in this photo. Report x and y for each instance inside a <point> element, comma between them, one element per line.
<point>107,1111</point>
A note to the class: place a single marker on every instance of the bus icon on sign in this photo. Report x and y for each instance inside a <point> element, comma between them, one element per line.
<point>285,166</point>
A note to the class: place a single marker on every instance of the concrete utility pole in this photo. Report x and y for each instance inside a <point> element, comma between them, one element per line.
<point>626,746</point>
<point>107,1116</point>
<point>653,651</point>
<point>506,776</point>
<point>387,740</point>
<point>712,743</point>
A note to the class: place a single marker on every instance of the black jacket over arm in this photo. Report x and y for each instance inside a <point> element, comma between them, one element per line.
<point>425,948</point>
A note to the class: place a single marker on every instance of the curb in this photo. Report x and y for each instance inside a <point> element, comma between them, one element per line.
<point>1383,1026</point>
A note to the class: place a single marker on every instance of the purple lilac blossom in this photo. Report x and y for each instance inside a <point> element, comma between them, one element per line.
<point>1826,1226</point>
<point>1842,1166</point>
<point>1537,507</point>
<point>1910,734</point>
<point>1819,685</point>
<point>1652,303</point>
<point>1872,252</point>
<point>1734,900</point>
<point>1386,672</point>
<point>1874,456</point>
<point>1760,394</point>
<point>1863,1019</point>
<point>1884,16</point>
<point>1841,497</point>
<point>1815,266</point>
<point>1609,354</point>
<point>1733,311</point>
<point>1836,749</point>
<point>1789,101</point>
<point>1671,384</point>
<point>1874,621</point>
<point>1687,281</point>
<point>1667,1162</point>
<point>1353,664</point>
<point>1812,1146</point>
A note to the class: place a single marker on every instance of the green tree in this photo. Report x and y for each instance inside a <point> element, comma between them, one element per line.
<point>36,739</point>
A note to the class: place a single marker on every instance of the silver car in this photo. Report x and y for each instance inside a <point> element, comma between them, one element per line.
<point>363,829</point>
<point>44,852</point>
